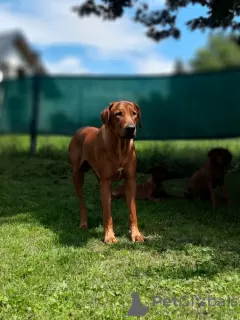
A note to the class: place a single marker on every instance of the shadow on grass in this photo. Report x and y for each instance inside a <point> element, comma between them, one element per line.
<point>183,157</point>
<point>39,190</point>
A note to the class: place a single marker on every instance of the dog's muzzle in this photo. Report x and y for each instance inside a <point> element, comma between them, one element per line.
<point>130,131</point>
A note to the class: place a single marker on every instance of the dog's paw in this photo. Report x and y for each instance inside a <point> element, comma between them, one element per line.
<point>83,225</point>
<point>136,236</point>
<point>110,238</point>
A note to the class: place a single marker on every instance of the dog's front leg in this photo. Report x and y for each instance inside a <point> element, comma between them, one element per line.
<point>225,195</point>
<point>212,194</point>
<point>105,191</point>
<point>150,196</point>
<point>130,189</point>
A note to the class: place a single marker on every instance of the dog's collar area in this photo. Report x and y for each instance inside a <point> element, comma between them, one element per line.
<point>120,171</point>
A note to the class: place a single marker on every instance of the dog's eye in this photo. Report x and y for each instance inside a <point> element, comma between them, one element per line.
<point>119,113</point>
<point>134,113</point>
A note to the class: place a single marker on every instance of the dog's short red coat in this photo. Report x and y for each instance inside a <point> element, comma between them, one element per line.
<point>112,157</point>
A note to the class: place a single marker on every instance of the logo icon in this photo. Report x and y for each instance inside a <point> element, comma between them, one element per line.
<point>137,309</point>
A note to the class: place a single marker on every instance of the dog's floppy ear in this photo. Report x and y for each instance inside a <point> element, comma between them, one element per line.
<point>105,115</point>
<point>139,114</point>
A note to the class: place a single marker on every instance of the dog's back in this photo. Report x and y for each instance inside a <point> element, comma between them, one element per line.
<point>197,184</point>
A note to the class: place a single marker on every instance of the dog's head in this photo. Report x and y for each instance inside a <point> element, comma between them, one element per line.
<point>220,157</point>
<point>122,117</point>
<point>159,173</point>
<point>162,173</point>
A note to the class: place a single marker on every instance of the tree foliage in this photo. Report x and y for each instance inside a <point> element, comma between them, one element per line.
<point>221,52</point>
<point>161,23</point>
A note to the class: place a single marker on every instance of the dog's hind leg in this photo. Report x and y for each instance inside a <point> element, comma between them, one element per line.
<point>78,171</point>
<point>78,180</point>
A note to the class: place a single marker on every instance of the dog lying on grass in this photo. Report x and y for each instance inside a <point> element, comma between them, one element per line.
<point>153,188</point>
<point>202,184</point>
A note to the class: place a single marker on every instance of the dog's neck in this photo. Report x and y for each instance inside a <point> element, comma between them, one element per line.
<point>215,165</point>
<point>120,147</point>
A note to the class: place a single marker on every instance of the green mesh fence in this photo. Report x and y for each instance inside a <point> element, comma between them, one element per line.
<point>173,107</point>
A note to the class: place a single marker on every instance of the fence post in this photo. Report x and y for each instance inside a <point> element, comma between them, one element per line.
<point>35,113</point>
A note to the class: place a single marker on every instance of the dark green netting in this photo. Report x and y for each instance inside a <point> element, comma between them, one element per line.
<point>173,107</point>
<point>16,111</point>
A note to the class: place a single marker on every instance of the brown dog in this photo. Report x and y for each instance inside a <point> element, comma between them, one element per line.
<point>110,152</point>
<point>153,188</point>
<point>210,176</point>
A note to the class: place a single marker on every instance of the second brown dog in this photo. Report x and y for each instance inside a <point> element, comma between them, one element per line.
<point>202,184</point>
<point>153,188</point>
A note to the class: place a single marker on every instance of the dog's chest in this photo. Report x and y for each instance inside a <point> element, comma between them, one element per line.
<point>117,174</point>
<point>119,171</point>
<point>217,178</point>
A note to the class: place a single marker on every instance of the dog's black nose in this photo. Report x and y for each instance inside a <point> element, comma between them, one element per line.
<point>129,130</point>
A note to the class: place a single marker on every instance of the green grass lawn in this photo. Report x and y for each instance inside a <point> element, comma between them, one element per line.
<point>51,269</point>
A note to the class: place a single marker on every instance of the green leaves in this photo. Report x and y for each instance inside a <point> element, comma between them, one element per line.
<point>221,52</point>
